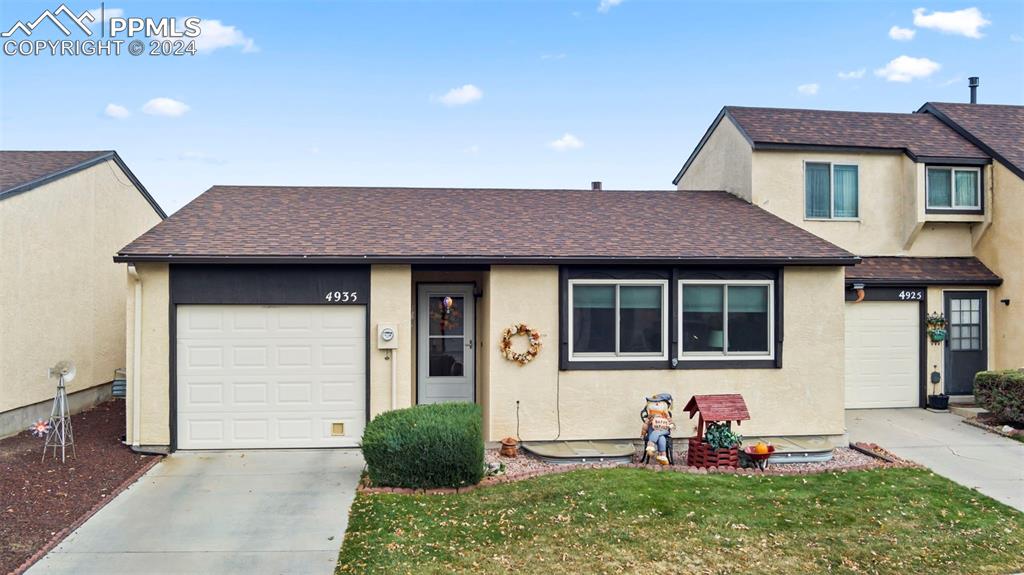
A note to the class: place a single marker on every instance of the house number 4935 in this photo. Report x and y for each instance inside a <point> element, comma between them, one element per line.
<point>342,296</point>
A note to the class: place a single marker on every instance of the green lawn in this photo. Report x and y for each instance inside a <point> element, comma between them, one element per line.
<point>901,521</point>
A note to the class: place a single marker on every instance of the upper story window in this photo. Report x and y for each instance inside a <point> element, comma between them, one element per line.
<point>953,188</point>
<point>831,191</point>
<point>618,320</point>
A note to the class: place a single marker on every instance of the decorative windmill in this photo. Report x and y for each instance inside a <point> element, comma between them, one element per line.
<point>60,434</point>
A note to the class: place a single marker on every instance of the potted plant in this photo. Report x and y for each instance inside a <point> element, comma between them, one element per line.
<point>937,401</point>
<point>936,327</point>
<point>718,448</point>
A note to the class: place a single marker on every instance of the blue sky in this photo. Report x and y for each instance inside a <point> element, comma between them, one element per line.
<point>354,93</point>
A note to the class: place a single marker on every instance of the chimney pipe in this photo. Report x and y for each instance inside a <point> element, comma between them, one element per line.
<point>973,83</point>
<point>596,186</point>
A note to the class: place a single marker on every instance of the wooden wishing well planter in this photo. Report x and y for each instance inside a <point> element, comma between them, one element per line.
<point>724,408</point>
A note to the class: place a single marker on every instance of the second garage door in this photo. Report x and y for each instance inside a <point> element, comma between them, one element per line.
<point>882,354</point>
<point>270,376</point>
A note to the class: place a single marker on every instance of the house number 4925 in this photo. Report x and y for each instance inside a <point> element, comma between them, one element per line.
<point>911,295</point>
<point>342,296</point>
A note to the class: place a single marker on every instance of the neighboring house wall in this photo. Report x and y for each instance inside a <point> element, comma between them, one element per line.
<point>61,295</point>
<point>724,163</point>
<point>891,221</point>
<point>1001,248</point>
<point>804,397</point>
<point>154,372</point>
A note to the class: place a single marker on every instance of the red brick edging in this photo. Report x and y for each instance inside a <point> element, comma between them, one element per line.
<point>501,479</point>
<point>60,535</point>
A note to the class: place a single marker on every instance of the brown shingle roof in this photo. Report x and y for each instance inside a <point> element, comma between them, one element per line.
<point>877,270</point>
<point>18,168</point>
<point>919,135</point>
<point>487,224</point>
<point>998,129</point>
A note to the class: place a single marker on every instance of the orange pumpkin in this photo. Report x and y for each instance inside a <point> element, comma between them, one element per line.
<point>761,448</point>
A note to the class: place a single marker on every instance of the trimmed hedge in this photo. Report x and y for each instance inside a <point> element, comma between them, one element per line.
<point>440,445</point>
<point>1002,393</point>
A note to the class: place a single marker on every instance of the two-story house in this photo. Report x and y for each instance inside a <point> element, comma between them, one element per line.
<point>932,202</point>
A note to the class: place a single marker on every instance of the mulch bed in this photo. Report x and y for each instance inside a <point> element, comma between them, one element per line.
<point>990,422</point>
<point>859,458</point>
<point>42,500</point>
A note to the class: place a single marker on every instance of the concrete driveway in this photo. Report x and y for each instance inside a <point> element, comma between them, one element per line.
<point>220,512</point>
<point>970,456</point>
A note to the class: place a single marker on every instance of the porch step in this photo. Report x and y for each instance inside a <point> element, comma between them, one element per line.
<point>966,412</point>
<point>961,399</point>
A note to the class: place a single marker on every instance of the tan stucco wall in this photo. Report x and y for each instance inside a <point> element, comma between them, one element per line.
<point>61,294</point>
<point>805,397</point>
<point>722,164</point>
<point>154,373</point>
<point>390,286</point>
<point>1001,248</point>
<point>891,196</point>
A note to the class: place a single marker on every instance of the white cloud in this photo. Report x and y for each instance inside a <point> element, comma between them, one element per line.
<point>808,89</point>
<point>462,96</point>
<point>165,107</point>
<point>1016,38</point>
<point>852,74</point>
<point>215,35</point>
<point>967,22</point>
<point>952,81</point>
<point>897,33</point>
<point>116,111</point>
<point>566,142</point>
<point>907,68</point>
<point>473,150</point>
<point>606,5</point>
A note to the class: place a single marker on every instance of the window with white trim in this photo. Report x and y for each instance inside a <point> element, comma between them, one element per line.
<point>831,191</point>
<point>726,319</point>
<point>618,320</point>
<point>953,188</point>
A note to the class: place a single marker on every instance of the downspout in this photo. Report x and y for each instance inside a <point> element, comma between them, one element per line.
<point>136,356</point>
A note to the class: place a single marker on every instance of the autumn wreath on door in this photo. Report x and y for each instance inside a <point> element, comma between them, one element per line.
<point>520,357</point>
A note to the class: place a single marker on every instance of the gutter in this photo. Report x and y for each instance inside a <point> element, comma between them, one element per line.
<point>848,260</point>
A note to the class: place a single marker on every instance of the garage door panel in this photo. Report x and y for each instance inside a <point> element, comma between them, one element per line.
<point>270,376</point>
<point>882,354</point>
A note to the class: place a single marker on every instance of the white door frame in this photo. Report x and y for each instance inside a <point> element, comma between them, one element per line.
<point>468,377</point>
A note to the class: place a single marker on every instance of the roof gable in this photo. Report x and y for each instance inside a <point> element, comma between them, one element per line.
<point>484,225</point>
<point>995,128</point>
<point>24,170</point>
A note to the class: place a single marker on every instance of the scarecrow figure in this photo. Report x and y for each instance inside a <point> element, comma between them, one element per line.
<point>657,426</point>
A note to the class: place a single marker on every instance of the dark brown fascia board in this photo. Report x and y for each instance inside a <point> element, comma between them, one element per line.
<point>489,260</point>
<point>897,282</point>
<point>100,158</point>
<point>700,145</point>
<point>954,161</point>
<point>930,109</point>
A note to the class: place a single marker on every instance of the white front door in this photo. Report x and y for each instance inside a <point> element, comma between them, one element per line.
<point>882,354</point>
<point>445,343</point>
<point>256,376</point>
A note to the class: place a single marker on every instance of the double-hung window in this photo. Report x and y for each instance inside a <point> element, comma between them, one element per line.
<point>830,191</point>
<point>726,319</point>
<point>618,320</point>
<point>953,188</point>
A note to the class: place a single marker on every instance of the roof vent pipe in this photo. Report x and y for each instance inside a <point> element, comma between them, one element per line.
<point>596,186</point>
<point>973,82</point>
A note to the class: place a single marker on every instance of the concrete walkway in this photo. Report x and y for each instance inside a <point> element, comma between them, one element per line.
<point>220,512</point>
<point>970,456</point>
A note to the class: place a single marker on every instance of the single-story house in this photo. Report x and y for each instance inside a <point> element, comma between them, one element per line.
<point>62,213</point>
<point>287,316</point>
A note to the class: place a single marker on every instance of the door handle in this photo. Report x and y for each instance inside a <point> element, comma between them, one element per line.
<point>469,343</point>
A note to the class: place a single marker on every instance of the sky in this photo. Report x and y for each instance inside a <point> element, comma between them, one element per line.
<point>487,94</point>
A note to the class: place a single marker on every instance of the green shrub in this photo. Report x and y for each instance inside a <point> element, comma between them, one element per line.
<point>1002,393</point>
<point>439,445</point>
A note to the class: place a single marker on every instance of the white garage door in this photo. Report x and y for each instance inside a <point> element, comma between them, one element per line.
<point>882,354</point>
<point>270,376</point>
